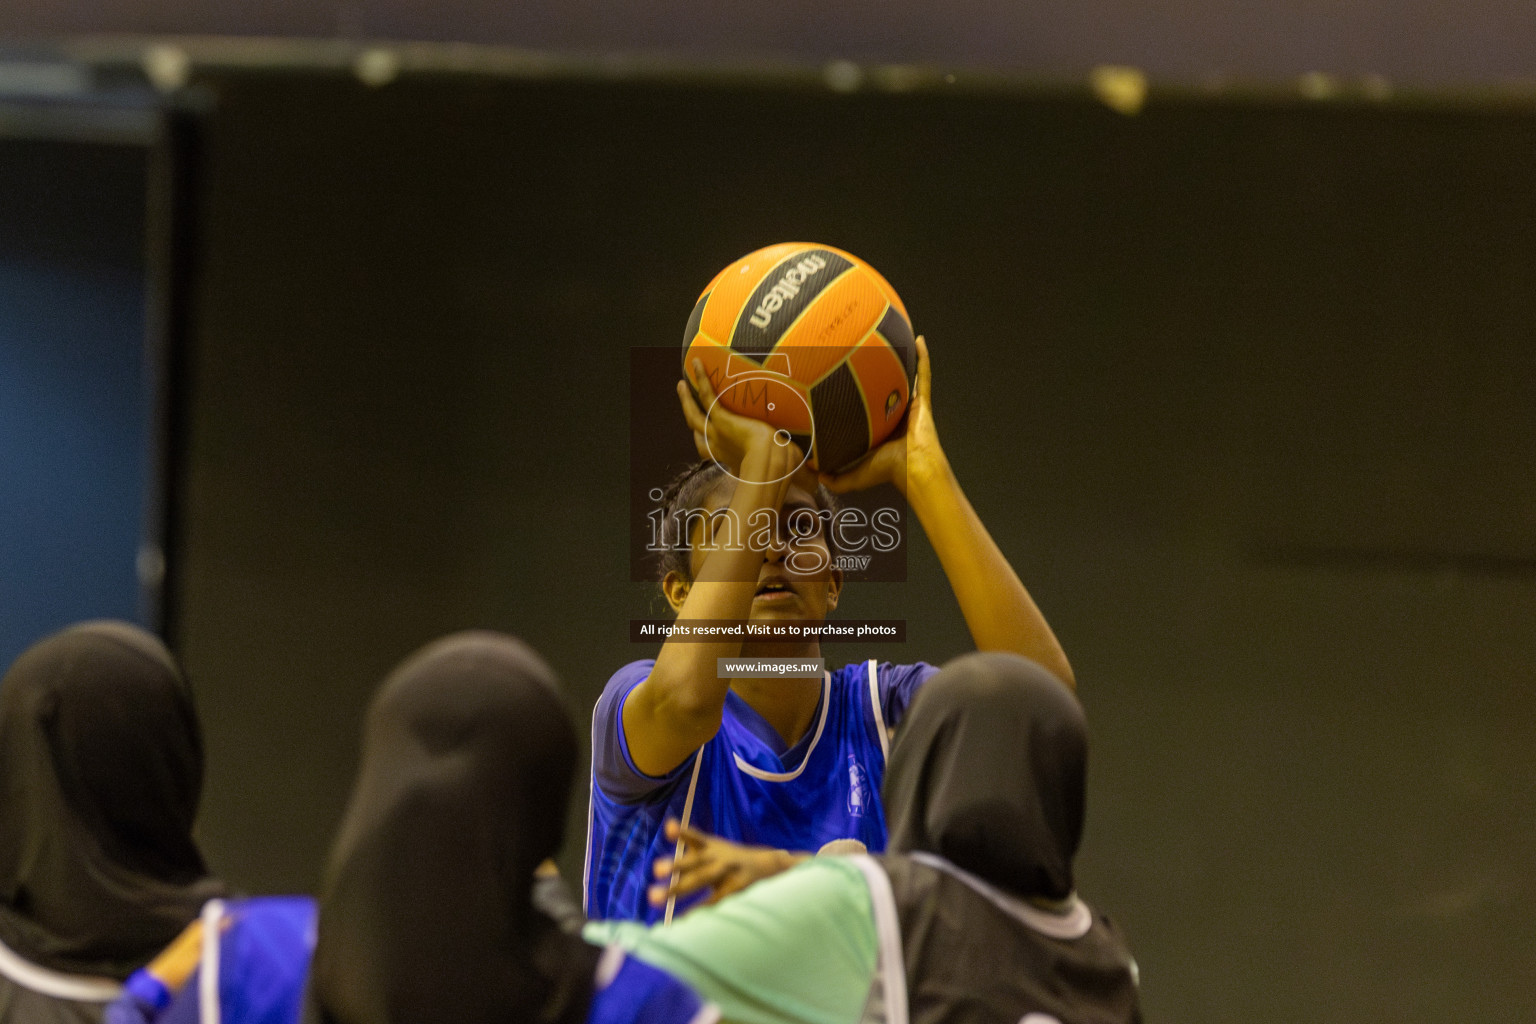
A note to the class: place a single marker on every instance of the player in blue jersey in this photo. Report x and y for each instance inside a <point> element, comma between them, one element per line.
<point>786,763</point>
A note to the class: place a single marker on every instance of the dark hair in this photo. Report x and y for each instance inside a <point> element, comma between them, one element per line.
<point>687,491</point>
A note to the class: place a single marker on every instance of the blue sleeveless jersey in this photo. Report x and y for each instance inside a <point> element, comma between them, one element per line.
<point>252,970</point>
<point>627,991</point>
<point>741,784</point>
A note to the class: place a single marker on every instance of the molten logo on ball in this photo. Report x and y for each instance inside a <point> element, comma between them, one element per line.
<point>787,288</point>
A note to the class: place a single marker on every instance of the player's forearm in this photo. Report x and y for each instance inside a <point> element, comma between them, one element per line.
<point>997,608</point>
<point>724,589</point>
<point>685,695</point>
<point>679,707</point>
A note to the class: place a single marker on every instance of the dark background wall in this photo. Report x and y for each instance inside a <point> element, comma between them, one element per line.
<point>1244,391</point>
<point>77,387</point>
<point>1414,41</point>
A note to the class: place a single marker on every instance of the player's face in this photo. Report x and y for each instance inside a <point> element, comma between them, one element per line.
<point>796,579</point>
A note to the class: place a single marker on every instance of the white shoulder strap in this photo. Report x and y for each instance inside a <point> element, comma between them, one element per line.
<point>874,702</point>
<point>693,785</point>
<point>55,984</point>
<point>208,968</point>
<point>891,964</point>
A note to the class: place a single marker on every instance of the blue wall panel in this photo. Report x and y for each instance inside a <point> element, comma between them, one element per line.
<point>76,401</point>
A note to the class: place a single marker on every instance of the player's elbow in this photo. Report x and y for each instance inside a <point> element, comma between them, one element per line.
<point>1063,671</point>
<point>663,733</point>
<point>692,719</point>
<point>1053,659</point>
<point>1055,662</point>
<point>687,719</point>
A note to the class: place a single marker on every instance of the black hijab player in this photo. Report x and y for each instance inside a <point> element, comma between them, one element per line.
<point>986,790</point>
<point>101,769</point>
<point>428,914</point>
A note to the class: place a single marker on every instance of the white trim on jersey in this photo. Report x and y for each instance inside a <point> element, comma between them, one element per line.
<point>78,988</point>
<point>709,1013</point>
<point>208,967</point>
<point>608,966</point>
<point>586,864</point>
<point>693,785</point>
<point>1072,923</point>
<point>758,773</point>
<point>891,965</point>
<point>874,702</point>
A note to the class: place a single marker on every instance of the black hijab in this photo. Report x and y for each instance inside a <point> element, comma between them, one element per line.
<point>101,769</point>
<point>988,771</point>
<point>427,914</point>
